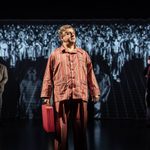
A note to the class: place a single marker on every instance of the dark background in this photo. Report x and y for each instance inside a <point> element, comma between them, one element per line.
<point>75,9</point>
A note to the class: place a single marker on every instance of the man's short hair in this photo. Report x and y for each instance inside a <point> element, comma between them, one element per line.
<point>63,28</point>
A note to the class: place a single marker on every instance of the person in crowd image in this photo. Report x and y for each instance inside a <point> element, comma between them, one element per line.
<point>3,81</point>
<point>68,77</point>
<point>147,91</point>
<point>29,94</point>
<point>105,84</point>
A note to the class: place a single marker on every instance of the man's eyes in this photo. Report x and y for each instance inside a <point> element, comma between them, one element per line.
<point>68,33</point>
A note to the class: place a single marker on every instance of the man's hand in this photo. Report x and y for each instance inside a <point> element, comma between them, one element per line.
<point>96,98</point>
<point>47,101</point>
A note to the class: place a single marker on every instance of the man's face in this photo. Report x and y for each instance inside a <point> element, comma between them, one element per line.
<point>148,61</point>
<point>69,36</point>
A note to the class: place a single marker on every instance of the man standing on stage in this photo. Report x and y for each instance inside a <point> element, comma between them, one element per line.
<point>69,73</point>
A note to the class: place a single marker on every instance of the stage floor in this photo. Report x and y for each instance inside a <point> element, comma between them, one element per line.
<point>102,135</point>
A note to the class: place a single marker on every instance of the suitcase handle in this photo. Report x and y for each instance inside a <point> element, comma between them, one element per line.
<point>49,104</point>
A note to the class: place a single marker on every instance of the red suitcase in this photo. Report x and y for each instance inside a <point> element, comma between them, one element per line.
<point>48,118</point>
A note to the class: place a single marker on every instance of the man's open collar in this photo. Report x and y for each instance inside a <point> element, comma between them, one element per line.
<point>62,49</point>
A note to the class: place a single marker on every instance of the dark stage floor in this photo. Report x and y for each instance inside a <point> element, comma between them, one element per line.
<point>102,135</point>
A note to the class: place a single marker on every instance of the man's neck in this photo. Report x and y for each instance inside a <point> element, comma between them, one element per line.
<point>69,47</point>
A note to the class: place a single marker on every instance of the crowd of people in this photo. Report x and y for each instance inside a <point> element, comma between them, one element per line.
<point>116,42</point>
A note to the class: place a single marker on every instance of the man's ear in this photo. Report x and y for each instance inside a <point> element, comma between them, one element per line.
<point>61,38</point>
